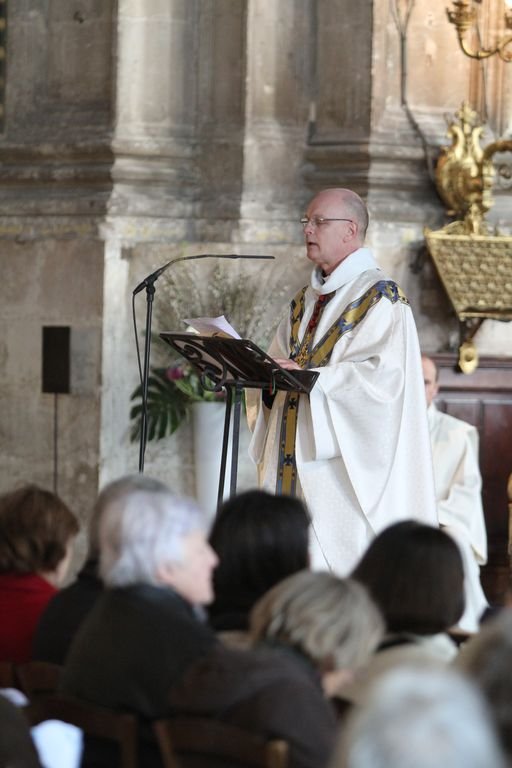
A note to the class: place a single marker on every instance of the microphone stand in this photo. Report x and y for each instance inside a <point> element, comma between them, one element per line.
<point>149,285</point>
<point>150,294</point>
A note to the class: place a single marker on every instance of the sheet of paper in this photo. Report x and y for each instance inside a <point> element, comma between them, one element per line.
<point>212,326</point>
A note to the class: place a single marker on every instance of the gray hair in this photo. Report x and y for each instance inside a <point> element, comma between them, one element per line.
<point>359,211</point>
<point>421,718</point>
<point>111,494</point>
<point>141,528</point>
<point>330,620</point>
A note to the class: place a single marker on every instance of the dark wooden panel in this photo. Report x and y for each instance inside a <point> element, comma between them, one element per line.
<point>468,409</point>
<point>484,399</point>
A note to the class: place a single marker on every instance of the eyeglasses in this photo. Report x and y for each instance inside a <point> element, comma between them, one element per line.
<point>318,221</point>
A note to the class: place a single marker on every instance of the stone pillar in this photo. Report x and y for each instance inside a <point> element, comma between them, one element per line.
<point>55,182</point>
<point>155,143</point>
<point>340,95</point>
<point>180,113</point>
<point>221,66</point>
<point>276,116</point>
<point>117,351</point>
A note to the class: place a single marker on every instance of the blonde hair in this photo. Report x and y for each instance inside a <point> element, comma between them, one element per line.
<point>332,621</point>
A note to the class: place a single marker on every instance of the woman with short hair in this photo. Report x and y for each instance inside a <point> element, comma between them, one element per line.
<point>37,531</point>
<point>260,539</point>
<point>414,573</point>
<point>147,625</point>
<point>331,622</point>
<point>310,632</point>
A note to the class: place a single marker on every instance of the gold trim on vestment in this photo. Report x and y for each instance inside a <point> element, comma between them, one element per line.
<point>317,357</point>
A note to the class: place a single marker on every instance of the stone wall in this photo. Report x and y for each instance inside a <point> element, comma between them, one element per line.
<point>137,131</point>
<point>55,155</point>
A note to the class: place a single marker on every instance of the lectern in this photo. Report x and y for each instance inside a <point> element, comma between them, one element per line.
<point>234,365</point>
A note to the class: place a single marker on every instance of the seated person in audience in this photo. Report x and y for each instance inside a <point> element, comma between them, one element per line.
<point>146,627</point>
<point>37,531</point>
<point>310,633</point>
<point>421,718</point>
<point>65,612</point>
<point>415,575</point>
<point>487,659</point>
<point>259,539</point>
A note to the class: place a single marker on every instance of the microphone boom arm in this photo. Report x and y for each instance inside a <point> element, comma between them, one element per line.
<point>149,284</point>
<point>153,277</point>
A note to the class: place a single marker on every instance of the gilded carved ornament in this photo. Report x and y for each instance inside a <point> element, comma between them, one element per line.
<point>463,15</point>
<point>475,265</point>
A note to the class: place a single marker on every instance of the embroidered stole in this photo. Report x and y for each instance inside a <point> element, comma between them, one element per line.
<point>309,356</point>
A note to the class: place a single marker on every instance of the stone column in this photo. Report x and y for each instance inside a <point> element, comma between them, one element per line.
<point>221,66</point>
<point>155,143</point>
<point>276,116</point>
<point>55,181</point>
<point>340,95</point>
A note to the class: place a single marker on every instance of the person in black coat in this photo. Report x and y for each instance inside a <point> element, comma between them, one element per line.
<point>64,614</point>
<point>310,633</point>
<point>146,628</point>
<point>66,611</point>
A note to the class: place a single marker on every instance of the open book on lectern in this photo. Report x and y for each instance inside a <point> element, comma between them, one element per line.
<point>223,359</point>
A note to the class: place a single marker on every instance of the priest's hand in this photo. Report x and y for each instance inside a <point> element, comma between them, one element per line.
<point>287,364</point>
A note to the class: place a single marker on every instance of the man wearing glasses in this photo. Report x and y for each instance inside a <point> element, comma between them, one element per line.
<point>357,447</point>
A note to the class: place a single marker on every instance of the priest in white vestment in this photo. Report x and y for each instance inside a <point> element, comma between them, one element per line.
<point>360,452</point>
<point>458,485</point>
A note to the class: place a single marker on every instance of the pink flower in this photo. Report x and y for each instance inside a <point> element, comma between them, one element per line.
<point>174,373</point>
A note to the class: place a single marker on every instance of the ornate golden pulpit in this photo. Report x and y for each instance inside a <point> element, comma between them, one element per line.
<point>474,264</point>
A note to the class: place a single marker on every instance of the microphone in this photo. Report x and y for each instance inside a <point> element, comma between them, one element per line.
<point>153,277</point>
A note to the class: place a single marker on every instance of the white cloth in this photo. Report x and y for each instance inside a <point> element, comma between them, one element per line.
<point>58,744</point>
<point>457,478</point>
<point>458,485</point>
<point>425,651</point>
<point>362,449</point>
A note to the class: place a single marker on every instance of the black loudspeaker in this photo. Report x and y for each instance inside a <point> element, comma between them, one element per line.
<point>56,359</point>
